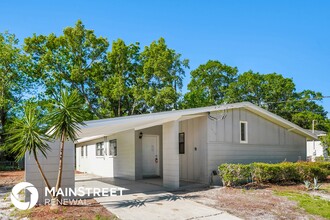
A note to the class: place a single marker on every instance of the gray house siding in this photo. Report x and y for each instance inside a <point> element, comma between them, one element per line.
<point>50,168</point>
<point>267,142</point>
<point>193,163</point>
<point>208,143</point>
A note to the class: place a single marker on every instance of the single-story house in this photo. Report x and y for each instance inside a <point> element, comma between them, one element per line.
<point>314,147</point>
<point>187,144</point>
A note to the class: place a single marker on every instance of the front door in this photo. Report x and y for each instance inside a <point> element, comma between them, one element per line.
<point>150,155</point>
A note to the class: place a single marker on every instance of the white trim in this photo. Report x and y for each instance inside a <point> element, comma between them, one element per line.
<point>246,132</point>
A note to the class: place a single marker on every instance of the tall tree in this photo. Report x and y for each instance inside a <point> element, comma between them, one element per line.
<point>325,142</point>
<point>14,79</point>
<point>118,79</point>
<point>261,89</point>
<point>65,120</point>
<point>209,84</point>
<point>305,119</point>
<point>69,61</point>
<point>162,74</point>
<point>278,95</point>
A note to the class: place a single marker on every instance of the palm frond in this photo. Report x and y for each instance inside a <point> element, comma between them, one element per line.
<point>67,116</point>
<point>25,134</point>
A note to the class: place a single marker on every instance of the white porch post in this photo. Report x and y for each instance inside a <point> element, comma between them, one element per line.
<point>171,155</point>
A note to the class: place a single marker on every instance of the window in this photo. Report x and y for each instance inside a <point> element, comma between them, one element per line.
<point>243,132</point>
<point>82,150</point>
<point>113,147</point>
<point>99,149</point>
<point>86,150</point>
<point>181,143</point>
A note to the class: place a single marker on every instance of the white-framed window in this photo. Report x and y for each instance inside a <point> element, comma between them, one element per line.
<point>86,150</point>
<point>100,151</point>
<point>243,127</point>
<point>113,147</point>
<point>82,151</point>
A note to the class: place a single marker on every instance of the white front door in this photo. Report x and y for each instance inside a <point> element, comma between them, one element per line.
<point>150,155</point>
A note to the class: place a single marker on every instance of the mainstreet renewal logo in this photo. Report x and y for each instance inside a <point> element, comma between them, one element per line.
<point>15,198</point>
<point>67,192</point>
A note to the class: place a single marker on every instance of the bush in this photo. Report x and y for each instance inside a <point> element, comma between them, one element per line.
<point>309,171</point>
<point>324,165</point>
<point>237,174</point>
<point>280,172</point>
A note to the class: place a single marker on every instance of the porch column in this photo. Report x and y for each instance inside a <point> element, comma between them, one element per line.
<point>171,155</point>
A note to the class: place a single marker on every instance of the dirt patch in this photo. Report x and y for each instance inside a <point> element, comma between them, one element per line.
<point>93,210</point>
<point>11,178</point>
<point>7,180</point>
<point>253,201</point>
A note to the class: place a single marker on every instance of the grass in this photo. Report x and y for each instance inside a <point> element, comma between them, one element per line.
<point>326,188</point>
<point>21,213</point>
<point>312,204</point>
<point>6,196</point>
<point>100,217</point>
<point>9,168</point>
<point>29,213</point>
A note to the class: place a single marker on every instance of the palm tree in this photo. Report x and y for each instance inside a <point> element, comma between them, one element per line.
<point>66,118</point>
<point>26,135</point>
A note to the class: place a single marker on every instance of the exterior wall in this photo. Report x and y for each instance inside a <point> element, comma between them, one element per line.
<point>50,168</point>
<point>171,173</point>
<point>98,165</point>
<point>267,142</point>
<point>193,163</point>
<point>318,147</point>
<point>122,165</point>
<point>156,130</point>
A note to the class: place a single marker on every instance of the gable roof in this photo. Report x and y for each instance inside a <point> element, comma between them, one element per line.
<point>99,128</point>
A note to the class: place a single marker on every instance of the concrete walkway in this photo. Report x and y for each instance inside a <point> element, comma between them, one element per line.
<point>146,199</point>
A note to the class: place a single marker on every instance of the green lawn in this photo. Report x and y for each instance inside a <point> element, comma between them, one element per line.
<point>312,204</point>
<point>326,188</point>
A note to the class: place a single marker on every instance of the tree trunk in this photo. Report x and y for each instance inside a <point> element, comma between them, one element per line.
<point>119,107</point>
<point>3,116</point>
<point>42,173</point>
<point>60,168</point>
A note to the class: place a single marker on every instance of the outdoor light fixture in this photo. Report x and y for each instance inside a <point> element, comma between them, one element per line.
<point>141,135</point>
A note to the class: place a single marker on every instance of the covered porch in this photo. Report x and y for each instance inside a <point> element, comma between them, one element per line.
<point>148,148</point>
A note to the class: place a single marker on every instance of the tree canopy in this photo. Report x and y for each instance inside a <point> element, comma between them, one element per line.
<point>69,61</point>
<point>15,80</point>
<point>118,78</point>
<point>209,84</point>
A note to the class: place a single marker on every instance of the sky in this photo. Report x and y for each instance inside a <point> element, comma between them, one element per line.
<point>291,38</point>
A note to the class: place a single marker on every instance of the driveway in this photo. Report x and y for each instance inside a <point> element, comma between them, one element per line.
<point>147,199</point>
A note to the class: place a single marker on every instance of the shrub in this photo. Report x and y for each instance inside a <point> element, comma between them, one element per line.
<point>289,172</point>
<point>280,172</point>
<point>310,170</point>
<point>324,165</point>
<point>235,174</point>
